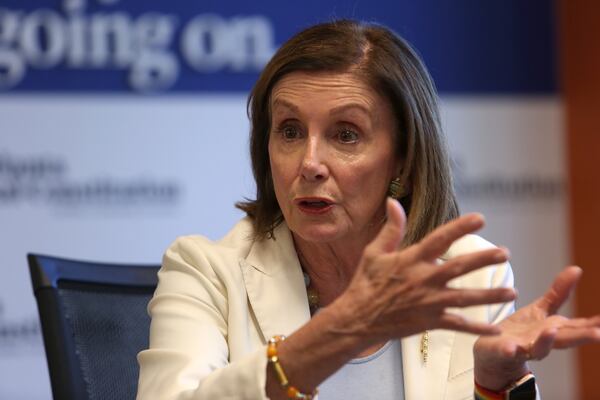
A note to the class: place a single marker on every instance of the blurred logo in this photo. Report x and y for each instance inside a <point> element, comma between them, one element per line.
<point>15,332</point>
<point>44,178</point>
<point>526,186</point>
<point>150,47</point>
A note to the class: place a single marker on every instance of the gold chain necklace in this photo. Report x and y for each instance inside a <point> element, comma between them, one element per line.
<point>312,294</point>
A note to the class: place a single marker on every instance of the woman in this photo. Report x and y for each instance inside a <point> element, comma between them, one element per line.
<point>344,117</point>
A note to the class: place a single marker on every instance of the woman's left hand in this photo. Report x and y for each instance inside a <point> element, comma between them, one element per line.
<point>531,333</point>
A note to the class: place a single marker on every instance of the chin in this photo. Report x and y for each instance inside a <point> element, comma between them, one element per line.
<point>318,233</point>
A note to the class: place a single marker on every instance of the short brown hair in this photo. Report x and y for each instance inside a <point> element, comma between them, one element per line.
<point>392,68</point>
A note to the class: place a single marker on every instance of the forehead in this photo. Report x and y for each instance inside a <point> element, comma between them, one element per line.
<point>335,89</point>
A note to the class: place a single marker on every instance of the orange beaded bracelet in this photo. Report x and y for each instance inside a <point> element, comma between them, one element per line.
<point>291,391</point>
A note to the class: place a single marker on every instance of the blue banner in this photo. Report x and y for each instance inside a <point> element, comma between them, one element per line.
<point>496,46</point>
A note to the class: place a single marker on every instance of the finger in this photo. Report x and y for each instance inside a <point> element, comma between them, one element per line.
<point>473,297</point>
<point>437,242</point>
<point>561,288</point>
<point>581,322</point>
<point>458,323</point>
<point>469,262</point>
<point>392,232</point>
<point>568,337</point>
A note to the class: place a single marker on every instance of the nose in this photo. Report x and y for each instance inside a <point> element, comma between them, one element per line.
<point>314,167</point>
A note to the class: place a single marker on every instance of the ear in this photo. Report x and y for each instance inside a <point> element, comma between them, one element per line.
<point>398,169</point>
<point>399,163</point>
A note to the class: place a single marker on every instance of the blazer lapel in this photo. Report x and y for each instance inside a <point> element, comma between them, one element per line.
<point>275,285</point>
<point>426,380</point>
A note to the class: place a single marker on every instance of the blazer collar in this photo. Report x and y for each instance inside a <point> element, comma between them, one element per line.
<point>275,284</point>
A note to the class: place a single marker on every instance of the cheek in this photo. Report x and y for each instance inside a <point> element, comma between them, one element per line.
<point>280,173</point>
<point>368,180</point>
<point>366,190</point>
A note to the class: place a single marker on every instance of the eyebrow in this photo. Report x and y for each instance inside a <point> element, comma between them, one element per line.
<point>286,104</point>
<point>344,107</point>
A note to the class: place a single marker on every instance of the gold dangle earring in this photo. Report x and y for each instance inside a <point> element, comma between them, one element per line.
<point>395,190</point>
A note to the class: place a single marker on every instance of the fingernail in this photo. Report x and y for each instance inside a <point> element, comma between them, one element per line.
<point>510,294</point>
<point>477,219</point>
<point>501,255</point>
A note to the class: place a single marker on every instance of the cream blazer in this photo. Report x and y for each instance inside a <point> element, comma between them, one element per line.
<point>217,303</point>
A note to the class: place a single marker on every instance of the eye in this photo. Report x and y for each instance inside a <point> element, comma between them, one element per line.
<point>289,132</point>
<point>348,136</point>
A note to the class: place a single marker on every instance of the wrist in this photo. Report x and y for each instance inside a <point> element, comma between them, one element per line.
<point>495,370</point>
<point>346,322</point>
<point>292,392</point>
<point>522,389</point>
<point>498,377</point>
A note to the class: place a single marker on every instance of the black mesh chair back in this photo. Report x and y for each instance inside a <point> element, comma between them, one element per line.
<point>94,322</point>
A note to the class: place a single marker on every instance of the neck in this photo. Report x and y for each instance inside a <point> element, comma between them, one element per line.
<point>330,266</point>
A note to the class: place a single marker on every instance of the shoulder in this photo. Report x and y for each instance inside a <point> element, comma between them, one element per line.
<point>467,244</point>
<point>491,276</point>
<point>266,255</point>
<point>201,252</point>
<point>237,242</point>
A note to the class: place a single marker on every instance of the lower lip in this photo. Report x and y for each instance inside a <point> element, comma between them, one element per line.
<point>314,210</point>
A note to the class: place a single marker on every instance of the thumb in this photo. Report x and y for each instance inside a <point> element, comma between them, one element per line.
<point>392,232</point>
<point>560,290</point>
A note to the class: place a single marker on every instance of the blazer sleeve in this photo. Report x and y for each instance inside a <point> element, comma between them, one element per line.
<point>188,356</point>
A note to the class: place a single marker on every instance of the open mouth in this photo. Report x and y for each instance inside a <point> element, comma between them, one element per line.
<point>314,205</point>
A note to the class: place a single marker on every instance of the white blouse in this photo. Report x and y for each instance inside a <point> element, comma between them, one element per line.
<point>376,376</point>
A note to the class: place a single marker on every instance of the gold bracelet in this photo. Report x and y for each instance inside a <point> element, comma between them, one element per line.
<point>291,391</point>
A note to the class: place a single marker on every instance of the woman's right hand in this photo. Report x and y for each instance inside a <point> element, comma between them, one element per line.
<point>400,292</point>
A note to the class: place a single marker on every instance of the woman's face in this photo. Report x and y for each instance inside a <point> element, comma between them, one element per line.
<point>331,149</point>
